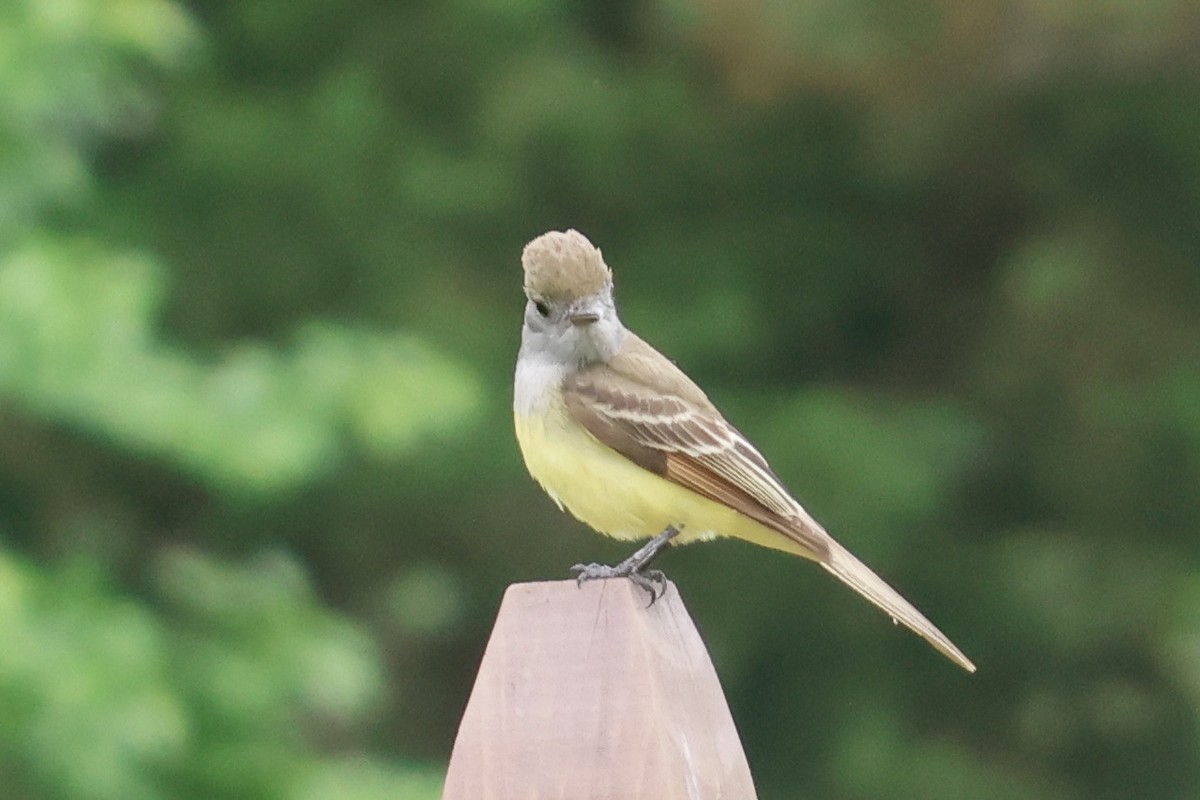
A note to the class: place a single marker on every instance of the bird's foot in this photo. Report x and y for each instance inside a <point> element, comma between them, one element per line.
<point>633,568</point>
<point>653,581</point>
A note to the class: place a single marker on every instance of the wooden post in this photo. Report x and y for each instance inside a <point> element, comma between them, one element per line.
<point>584,693</point>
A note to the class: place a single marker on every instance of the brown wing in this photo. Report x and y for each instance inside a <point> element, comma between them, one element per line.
<point>644,407</point>
<point>688,443</point>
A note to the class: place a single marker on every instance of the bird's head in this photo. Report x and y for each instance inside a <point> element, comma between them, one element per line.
<point>570,313</point>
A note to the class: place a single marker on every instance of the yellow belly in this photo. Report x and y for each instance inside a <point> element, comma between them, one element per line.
<point>610,493</point>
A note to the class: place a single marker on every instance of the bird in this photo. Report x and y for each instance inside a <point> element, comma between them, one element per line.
<point>620,437</point>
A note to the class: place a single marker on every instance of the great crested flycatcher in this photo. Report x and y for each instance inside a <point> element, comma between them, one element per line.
<point>619,436</point>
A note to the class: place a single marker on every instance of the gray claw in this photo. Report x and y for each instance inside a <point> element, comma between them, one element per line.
<point>652,580</point>
<point>591,572</point>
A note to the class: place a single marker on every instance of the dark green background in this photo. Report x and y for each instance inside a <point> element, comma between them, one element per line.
<point>259,305</point>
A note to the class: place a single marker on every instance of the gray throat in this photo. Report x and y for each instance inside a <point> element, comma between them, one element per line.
<point>545,361</point>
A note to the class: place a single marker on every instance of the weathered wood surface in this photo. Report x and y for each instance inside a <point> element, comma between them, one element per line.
<point>584,693</point>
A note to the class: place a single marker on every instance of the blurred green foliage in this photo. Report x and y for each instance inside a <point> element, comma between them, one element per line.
<point>78,332</point>
<point>259,305</point>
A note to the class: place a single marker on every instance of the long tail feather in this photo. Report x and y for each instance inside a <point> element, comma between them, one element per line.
<point>859,577</point>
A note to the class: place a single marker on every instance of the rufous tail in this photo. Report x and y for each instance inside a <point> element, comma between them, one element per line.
<point>859,577</point>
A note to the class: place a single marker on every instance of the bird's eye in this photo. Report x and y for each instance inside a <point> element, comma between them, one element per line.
<point>542,308</point>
